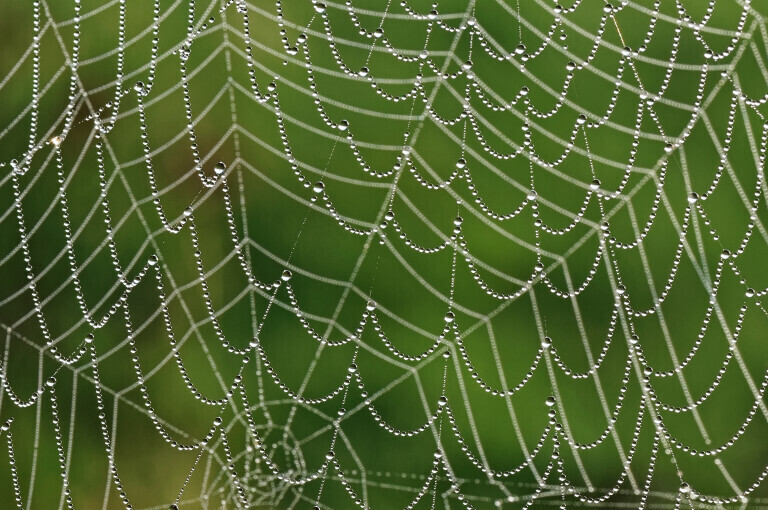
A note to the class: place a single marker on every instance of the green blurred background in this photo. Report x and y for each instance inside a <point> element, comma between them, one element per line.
<point>335,271</point>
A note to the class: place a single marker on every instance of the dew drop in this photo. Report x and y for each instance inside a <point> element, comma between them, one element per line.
<point>550,401</point>
<point>449,317</point>
<point>318,187</point>
<point>220,168</point>
<point>287,275</point>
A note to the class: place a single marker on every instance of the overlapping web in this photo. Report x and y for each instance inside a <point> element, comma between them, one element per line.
<point>384,254</point>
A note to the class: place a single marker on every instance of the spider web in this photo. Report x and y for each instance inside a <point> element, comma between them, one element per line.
<point>386,254</point>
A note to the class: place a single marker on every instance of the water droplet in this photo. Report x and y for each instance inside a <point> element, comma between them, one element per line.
<point>343,125</point>
<point>581,119</point>
<point>685,488</point>
<point>378,33</point>
<point>389,216</point>
<point>220,168</point>
<point>140,88</point>
<point>370,306</point>
<point>320,7</point>
<point>750,292</point>
<point>595,184</point>
<point>449,317</point>
<point>56,141</point>
<point>461,163</point>
<point>287,275</point>
<point>458,221</point>
<point>363,71</point>
<point>693,197</point>
<point>550,401</point>
<point>520,49</point>
<point>442,401</point>
<point>318,187</point>
<point>546,342</point>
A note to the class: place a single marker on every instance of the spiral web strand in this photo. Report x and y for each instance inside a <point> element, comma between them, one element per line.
<point>384,254</point>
